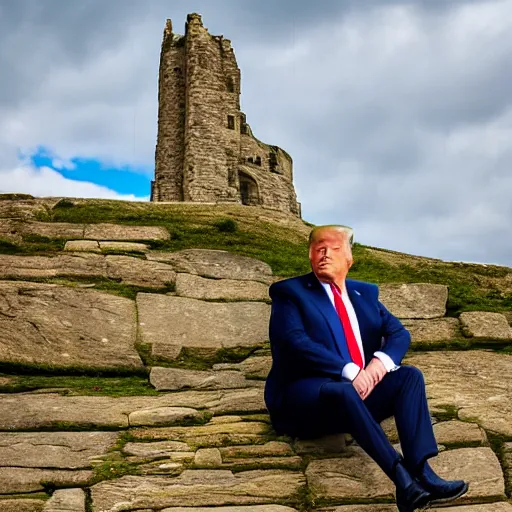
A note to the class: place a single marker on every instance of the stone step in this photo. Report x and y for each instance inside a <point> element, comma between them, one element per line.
<point>356,477</point>
<point>63,327</point>
<point>197,488</point>
<point>39,411</point>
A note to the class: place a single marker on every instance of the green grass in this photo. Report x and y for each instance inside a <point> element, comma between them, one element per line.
<point>240,230</point>
<point>81,385</point>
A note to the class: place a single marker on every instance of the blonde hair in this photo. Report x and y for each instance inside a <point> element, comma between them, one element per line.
<point>347,231</point>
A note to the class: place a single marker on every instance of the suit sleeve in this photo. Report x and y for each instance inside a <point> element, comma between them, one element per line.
<point>288,332</point>
<point>395,336</point>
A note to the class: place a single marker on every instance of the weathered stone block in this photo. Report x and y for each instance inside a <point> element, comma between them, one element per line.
<point>475,383</point>
<point>196,287</point>
<point>433,331</point>
<point>459,433</point>
<point>54,229</point>
<point>172,323</point>
<point>210,435</point>
<point>21,505</point>
<point>111,232</point>
<point>123,246</point>
<point>162,416</point>
<point>66,327</point>
<point>358,477</point>
<point>31,411</point>
<point>173,379</point>
<point>82,246</point>
<point>486,326</point>
<point>422,301</point>
<point>197,488</point>
<point>66,500</point>
<point>139,272</point>
<point>215,264</point>
<point>63,450</point>
<point>252,367</point>
<point>208,457</point>
<point>24,480</point>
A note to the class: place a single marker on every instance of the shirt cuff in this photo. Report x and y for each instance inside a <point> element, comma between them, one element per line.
<point>350,371</point>
<point>386,361</point>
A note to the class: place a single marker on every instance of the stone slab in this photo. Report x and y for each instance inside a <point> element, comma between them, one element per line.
<point>478,466</point>
<point>159,449</point>
<point>21,505</point>
<point>63,450</point>
<point>196,287</point>
<point>215,264</point>
<point>356,476</point>
<point>487,507</point>
<point>35,411</point>
<point>415,301</point>
<point>54,229</point>
<point>162,416</point>
<point>270,449</point>
<point>174,379</point>
<point>253,508</point>
<point>139,272</point>
<point>82,246</point>
<point>210,435</point>
<point>252,367</point>
<point>172,323</point>
<point>66,327</point>
<point>208,457</point>
<point>433,331</point>
<point>476,383</point>
<point>66,500</point>
<point>73,265</point>
<point>110,232</point>
<point>485,326</point>
<point>459,433</point>
<point>197,488</point>
<point>123,246</point>
<point>22,480</point>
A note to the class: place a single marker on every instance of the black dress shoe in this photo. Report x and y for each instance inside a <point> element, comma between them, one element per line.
<point>410,495</point>
<point>440,490</point>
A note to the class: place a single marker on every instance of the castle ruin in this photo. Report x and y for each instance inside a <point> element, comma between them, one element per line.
<point>206,151</point>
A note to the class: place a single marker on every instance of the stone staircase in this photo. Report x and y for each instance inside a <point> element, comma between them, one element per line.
<point>199,438</point>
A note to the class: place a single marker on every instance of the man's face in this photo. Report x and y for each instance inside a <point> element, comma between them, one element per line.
<point>330,255</point>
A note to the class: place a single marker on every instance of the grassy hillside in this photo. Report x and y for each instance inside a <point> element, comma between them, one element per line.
<point>272,237</point>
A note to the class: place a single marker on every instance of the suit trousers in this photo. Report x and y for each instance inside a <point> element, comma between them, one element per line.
<point>401,394</point>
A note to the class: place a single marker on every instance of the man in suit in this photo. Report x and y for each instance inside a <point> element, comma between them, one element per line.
<point>336,354</point>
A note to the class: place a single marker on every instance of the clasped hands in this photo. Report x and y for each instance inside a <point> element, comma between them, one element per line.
<point>369,377</point>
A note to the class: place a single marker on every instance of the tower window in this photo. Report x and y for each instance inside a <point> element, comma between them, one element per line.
<point>257,160</point>
<point>230,85</point>
<point>250,160</point>
<point>231,122</point>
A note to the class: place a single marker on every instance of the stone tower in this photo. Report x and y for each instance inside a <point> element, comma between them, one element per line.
<point>206,151</point>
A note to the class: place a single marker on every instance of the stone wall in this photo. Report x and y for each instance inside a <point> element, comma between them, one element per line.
<point>206,151</point>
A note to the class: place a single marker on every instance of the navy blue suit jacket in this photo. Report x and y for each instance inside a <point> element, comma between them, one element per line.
<point>308,344</point>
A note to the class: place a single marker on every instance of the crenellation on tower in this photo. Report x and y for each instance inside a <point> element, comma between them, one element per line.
<point>206,151</point>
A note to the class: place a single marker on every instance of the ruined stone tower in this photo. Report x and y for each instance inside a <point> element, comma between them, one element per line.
<point>206,151</point>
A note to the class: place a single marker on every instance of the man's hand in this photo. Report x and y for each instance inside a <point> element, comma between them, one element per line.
<point>363,383</point>
<point>376,370</point>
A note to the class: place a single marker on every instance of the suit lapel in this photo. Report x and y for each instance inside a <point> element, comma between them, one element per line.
<point>321,300</point>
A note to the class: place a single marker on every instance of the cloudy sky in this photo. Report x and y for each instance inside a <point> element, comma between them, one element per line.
<point>398,114</point>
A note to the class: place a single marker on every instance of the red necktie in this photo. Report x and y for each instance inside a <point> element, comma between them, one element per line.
<point>353,347</point>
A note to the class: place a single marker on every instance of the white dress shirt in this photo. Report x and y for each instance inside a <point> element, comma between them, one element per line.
<point>350,370</point>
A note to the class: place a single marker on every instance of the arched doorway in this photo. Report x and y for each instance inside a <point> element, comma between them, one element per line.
<point>248,189</point>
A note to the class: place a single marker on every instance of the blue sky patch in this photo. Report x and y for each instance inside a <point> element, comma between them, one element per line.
<point>123,180</point>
